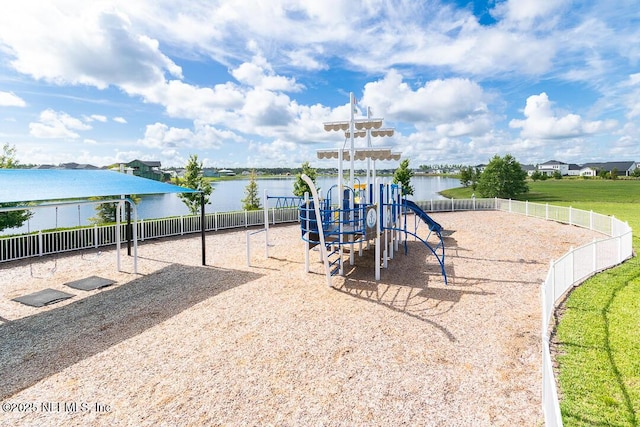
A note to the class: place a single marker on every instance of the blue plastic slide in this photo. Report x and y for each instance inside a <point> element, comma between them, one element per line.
<point>433,226</point>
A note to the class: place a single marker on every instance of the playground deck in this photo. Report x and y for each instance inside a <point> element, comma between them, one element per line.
<point>228,344</point>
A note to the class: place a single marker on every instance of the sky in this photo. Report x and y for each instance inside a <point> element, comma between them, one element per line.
<point>250,83</point>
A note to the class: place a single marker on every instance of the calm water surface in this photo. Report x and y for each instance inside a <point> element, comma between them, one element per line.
<point>227,196</point>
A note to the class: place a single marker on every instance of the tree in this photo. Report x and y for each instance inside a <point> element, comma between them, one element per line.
<point>636,173</point>
<point>106,212</point>
<point>503,177</point>
<point>194,179</point>
<point>557,175</point>
<point>536,175</point>
<point>11,219</point>
<point>300,186</point>
<point>614,173</point>
<point>466,174</point>
<point>251,201</point>
<point>475,176</point>
<point>402,176</point>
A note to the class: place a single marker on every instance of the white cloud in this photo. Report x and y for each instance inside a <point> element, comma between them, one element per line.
<point>455,103</point>
<point>259,74</point>
<point>9,99</point>
<point>121,120</point>
<point>182,100</point>
<point>265,108</point>
<point>95,117</point>
<point>54,124</point>
<point>159,135</point>
<point>541,122</point>
<point>278,152</point>
<point>81,44</point>
<point>526,13</point>
<point>631,98</point>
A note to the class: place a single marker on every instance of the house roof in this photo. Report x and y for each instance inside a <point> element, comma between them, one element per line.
<point>609,166</point>
<point>38,185</point>
<point>552,162</point>
<point>150,163</point>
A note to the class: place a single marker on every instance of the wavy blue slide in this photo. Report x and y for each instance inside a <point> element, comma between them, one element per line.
<point>433,226</point>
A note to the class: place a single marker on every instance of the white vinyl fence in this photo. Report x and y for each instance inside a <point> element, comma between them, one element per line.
<point>568,271</point>
<point>57,241</point>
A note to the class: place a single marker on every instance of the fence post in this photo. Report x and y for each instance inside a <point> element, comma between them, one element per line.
<point>570,215</point>
<point>552,269</point>
<point>573,266</point>
<point>545,324</point>
<point>452,208</point>
<point>619,238</point>
<point>613,218</point>
<point>473,199</point>
<point>526,208</point>
<point>95,236</point>
<point>181,225</point>
<point>215,221</point>
<point>40,248</point>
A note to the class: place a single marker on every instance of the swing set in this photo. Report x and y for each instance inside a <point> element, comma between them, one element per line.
<point>53,242</point>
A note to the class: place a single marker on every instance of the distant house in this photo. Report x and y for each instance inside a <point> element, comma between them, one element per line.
<point>72,165</point>
<point>529,169</point>
<point>78,166</point>
<point>574,170</point>
<point>623,168</point>
<point>481,167</point>
<point>210,173</point>
<point>552,166</point>
<point>148,169</point>
<point>226,172</point>
<point>588,171</point>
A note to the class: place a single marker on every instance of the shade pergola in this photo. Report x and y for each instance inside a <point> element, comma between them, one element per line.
<point>24,187</point>
<point>39,185</point>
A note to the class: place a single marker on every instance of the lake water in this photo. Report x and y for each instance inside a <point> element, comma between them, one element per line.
<point>227,196</point>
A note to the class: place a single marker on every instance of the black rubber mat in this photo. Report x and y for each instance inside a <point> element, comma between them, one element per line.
<point>43,297</point>
<point>90,283</point>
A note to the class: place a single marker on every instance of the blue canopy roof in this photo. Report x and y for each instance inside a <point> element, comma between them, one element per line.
<point>37,185</point>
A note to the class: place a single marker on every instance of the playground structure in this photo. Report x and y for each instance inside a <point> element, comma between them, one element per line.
<point>355,213</point>
<point>385,223</point>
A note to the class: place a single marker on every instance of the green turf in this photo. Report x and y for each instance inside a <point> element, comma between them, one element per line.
<point>598,335</point>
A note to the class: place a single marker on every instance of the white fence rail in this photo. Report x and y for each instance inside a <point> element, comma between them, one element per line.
<point>570,270</point>
<point>566,272</point>
<point>57,241</point>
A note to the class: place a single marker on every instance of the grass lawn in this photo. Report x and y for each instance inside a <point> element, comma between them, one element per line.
<point>598,335</point>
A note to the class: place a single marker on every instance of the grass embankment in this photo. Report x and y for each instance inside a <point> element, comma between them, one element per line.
<point>598,336</point>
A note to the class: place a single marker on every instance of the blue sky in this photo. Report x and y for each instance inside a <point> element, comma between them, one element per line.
<point>249,84</point>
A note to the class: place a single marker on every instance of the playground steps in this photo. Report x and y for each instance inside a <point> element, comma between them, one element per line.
<point>334,254</point>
